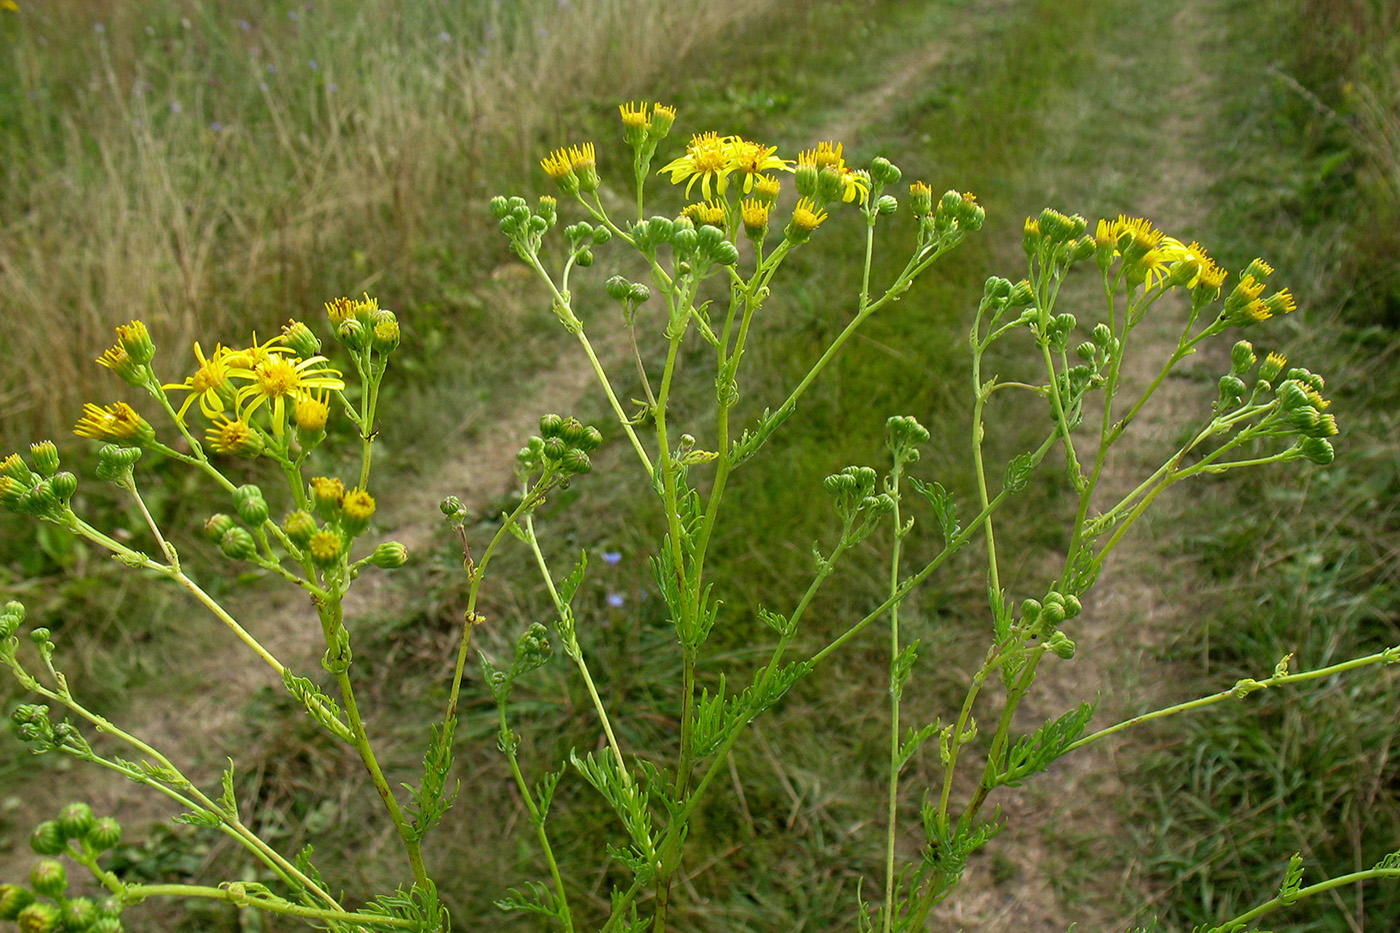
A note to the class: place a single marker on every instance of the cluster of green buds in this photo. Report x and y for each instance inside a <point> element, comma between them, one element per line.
<point>694,249</point>
<point>903,434</point>
<point>560,450</point>
<point>44,906</point>
<point>582,237</point>
<point>1041,618</point>
<point>44,491</point>
<point>628,294</point>
<point>1054,241</point>
<point>1290,398</point>
<point>523,227</point>
<point>859,506</point>
<point>31,720</point>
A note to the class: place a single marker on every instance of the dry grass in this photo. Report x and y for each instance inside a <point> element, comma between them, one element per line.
<point>214,168</point>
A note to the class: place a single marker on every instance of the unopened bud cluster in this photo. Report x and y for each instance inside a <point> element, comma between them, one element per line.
<point>44,905</point>
<point>44,491</point>
<point>561,448</point>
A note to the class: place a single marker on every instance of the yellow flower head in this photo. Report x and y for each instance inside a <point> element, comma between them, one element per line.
<point>807,215</point>
<point>708,160</point>
<point>755,216</point>
<point>327,491</point>
<point>209,383</point>
<point>358,505</point>
<point>339,309</point>
<point>635,116</point>
<point>136,340</point>
<point>855,185</point>
<point>118,422</point>
<point>753,159</point>
<point>822,155</point>
<point>706,212</point>
<point>312,411</point>
<point>325,547</point>
<point>120,362</point>
<point>234,437</point>
<point>558,164</point>
<point>766,188</point>
<point>277,379</point>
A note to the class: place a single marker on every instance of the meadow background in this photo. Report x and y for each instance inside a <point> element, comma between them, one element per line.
<point>216,168</point>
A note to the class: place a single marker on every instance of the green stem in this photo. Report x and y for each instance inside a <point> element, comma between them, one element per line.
<point>331,613</point>
<point>535,818</point>
<point>1239,691</point>
<point>1322,886</point>
<point>562,609</point>
<point>233,893</point>
<point>896,688</point>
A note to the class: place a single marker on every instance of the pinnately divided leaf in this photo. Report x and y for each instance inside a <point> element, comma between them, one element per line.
<point>1035,752</point>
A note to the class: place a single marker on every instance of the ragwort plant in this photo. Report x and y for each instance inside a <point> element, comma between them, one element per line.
<point>711,269</point>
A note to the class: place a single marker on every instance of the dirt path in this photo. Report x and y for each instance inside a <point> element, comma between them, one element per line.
<point>1069,813</point>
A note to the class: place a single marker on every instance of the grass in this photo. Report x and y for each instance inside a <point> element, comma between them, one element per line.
<point>1299,568</point>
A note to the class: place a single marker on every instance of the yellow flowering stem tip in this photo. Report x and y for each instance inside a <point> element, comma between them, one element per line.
<point>117,422</point>
<point>708,160</point>
<point>806,217</point>
<point>209,384</point>
<point>635,122</point>
<point>276,380</point>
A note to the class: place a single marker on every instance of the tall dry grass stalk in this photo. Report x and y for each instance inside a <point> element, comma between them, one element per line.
<point>217,167</point>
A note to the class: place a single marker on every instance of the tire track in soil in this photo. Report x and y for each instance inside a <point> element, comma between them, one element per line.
<point>1131,609</point>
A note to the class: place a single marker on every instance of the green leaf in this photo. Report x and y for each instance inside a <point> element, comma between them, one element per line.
<point>570,584</point>
<point>1035,752</point>
<point>228,801</point>
<point>321,707</point>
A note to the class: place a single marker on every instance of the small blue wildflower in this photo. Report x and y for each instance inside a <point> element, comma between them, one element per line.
<point>615,600</point>
<point>216,126</point>
<point>612,557</point>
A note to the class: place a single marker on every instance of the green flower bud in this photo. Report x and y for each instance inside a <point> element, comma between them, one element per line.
<point>110,906</point>
<point>75,820</point>
<point>1061,645</point>
<point>64,484</point>
<point>639,293</point>
<point>887,204</point>
<point>498,207</point>
<point>685,239</point>
<point>385,336</point>
<point>105,925</point>
<point>884,172</point>
<point>591,440</point>
<point>238,544</point>
<point>218,525</point>
<point>618,288</point>
<point>1232,389</point>
<point>136,341</point>
<point>104,834</point>
<point>806,180</point>
<point>79,914</point>
<point>38,918</point>
<point>14,899</point>
<point>45,456</point>
<point>114,463</point>
<point>1030,610</point>
<point>584,258</point>
<point>1073,606</point>
<point>251,506</point>
<point>725,254</point>
<point>1316,449</point>
<point>1085,351</point>
<point>1273,365</point>
<point>575,461</point>
<point>48,839</point>
<point>551,425</point>
<point>299,526</point>
<point>1051,614</point>
<point>389,555</point>
<point>353,333</point>
<point>1241,357</point>
<point>572,431</point>
<point>555,448</point>
<point>40,636</point>
<point>49,878</point>
<point>300,338</point>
